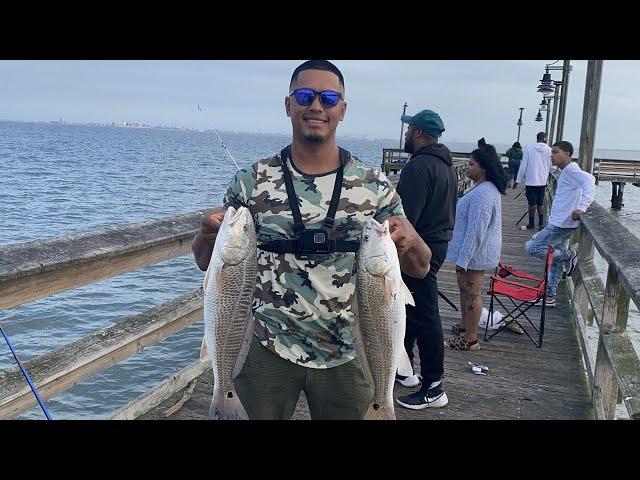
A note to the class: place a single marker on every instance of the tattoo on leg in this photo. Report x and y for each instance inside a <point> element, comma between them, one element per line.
<point>470,308</point>
<point>469,283</point>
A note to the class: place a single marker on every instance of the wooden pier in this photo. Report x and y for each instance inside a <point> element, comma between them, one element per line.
<point>524,382</point>
<point>564,379</point>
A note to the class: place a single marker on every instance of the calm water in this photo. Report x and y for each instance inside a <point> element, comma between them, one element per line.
<point>59,179</point>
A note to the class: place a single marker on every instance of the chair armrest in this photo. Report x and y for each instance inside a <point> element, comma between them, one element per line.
<point>515,284</point>
<point>518,273</point>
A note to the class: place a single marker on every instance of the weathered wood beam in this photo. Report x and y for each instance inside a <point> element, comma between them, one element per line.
<point>33,270</point>
<point>618,246</point>
<point>61,369</point>
<point>626,368</point>
<point>160,393</point>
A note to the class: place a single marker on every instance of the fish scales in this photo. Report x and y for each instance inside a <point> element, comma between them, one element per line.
<point>382,296</point>
<point>228,294</point>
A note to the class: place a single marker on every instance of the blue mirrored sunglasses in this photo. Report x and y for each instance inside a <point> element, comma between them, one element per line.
<point>305,97</point>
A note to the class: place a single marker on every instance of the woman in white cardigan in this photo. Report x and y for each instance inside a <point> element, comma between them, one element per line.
<point>477,239</point>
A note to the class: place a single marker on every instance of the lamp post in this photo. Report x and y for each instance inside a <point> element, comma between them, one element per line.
<point>560,95</point>
<point>519,123</point>
<point>539,116</point>
<point>543,107</point>
<point>554,113</point>
<point>404,111</point>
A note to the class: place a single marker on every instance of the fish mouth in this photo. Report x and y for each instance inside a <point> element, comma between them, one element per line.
<point>381,229</point>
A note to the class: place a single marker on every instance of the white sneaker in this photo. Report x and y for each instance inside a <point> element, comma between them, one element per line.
<point>410,381</point>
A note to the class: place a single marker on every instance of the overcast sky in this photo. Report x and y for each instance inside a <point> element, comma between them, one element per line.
<point>474,98</point>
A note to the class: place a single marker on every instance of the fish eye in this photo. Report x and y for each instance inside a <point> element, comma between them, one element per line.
<point>246,228</point>
<point>366,238</point>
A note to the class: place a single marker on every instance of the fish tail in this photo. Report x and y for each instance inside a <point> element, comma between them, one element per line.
<point>380,411</point>
<point>226,405</point>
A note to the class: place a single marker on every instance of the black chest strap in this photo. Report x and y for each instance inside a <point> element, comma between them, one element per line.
<point>294,245</point>
<point>298,224</point>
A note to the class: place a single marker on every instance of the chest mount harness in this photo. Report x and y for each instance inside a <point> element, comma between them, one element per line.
<point>310,242</point>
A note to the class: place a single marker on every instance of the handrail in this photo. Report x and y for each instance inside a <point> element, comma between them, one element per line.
<point>37,269</point>
<point>41,268</point>
<point>615,370</point>
<point>58,370</point>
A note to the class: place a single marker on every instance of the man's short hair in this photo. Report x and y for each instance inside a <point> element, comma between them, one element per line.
<point>316,65</point>
<point>564,146</point>
<point>541,137</point>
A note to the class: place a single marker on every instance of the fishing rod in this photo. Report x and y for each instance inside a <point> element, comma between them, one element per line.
<point>216,132</point>
<point>26,375</point>
<point>442,295</point>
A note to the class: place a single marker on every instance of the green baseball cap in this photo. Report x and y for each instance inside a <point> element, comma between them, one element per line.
<point>427,120</point>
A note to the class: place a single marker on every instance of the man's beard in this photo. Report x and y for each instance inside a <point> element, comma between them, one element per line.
<point>408,146</point>
<point>314,138</point>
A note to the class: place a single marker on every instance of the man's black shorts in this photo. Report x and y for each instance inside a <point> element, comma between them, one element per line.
<point>535,195</point>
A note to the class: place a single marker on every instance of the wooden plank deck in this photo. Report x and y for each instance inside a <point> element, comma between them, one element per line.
<point>524,382</point>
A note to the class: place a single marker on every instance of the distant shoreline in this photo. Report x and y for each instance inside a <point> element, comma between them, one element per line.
<point>235,132</point>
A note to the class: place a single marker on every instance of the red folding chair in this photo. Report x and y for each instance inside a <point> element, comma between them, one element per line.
<point>526,295</point>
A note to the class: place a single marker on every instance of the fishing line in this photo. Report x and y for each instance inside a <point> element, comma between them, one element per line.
<point>26,375</point>
<point>216,132</point>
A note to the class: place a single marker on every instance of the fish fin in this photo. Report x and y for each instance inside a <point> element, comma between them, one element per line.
<point>380,412</point>
<point>218,274</point>
<point>215,269</point>
<point>227,406</point>
<point>204,351</point>
<point>388,291</point>
<point>408,298</point>
<point>207,277</point>
<point>404,364</point>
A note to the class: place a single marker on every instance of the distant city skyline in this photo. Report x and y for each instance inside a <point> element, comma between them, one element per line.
<point>475,98</point>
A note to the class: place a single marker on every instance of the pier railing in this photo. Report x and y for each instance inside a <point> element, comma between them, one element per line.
<point>38,269</point>
<point>42,268</point>
<point>602,309</point>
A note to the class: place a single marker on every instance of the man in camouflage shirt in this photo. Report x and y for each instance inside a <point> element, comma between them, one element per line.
<point>303,307</point>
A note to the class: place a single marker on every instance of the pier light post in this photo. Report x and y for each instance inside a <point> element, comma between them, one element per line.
<point>404,112</point>
<point>539,116</point>
<point>554,113</point>
<point>519,123</point>
<point>547,86</point>
<point>543,108</point>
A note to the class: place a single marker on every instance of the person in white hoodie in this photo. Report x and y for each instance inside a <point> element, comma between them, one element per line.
<point>575,192</point>
<point>535,167</point>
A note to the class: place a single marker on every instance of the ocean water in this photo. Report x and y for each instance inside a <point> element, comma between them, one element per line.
<point>57,179</point>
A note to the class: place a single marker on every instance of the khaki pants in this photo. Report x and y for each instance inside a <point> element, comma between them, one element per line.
<point>269,388</point>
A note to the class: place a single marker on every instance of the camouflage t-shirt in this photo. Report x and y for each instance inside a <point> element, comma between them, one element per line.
<point>303,308</point>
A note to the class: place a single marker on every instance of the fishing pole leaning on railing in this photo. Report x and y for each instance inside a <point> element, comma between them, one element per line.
<point>26,375</point>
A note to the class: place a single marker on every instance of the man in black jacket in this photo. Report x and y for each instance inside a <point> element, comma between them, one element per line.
<point>428,188</point>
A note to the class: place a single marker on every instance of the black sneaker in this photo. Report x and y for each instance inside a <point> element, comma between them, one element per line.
<point>433,397</point>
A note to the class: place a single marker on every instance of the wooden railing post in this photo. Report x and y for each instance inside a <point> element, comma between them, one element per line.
<point>615,312</point>
<point>586,246</point>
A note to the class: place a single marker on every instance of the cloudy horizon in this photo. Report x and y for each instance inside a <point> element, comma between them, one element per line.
<point>475,98</point>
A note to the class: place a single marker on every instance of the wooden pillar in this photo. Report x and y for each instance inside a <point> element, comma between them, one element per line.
<point>590,114</point>
<point>563,99</point>
<point>617,191</point>
<point>615,311</point>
